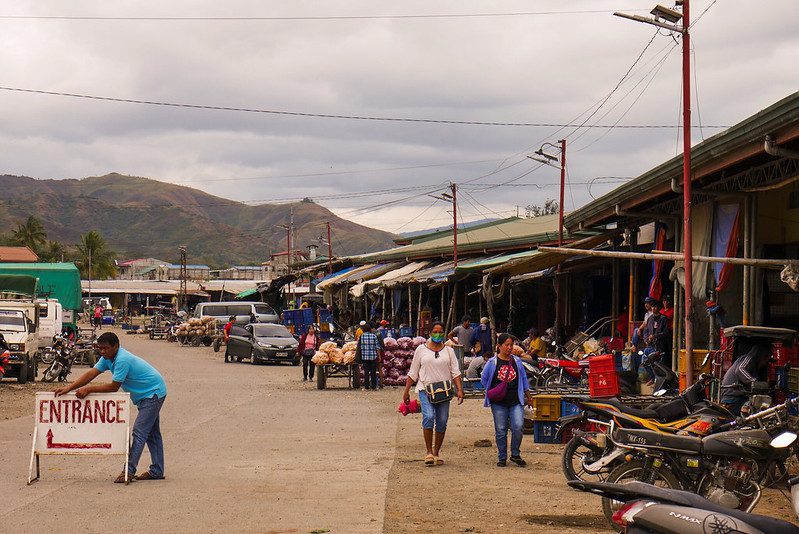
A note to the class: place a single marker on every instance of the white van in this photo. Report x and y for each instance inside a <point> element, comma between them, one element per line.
<point>51,320</point>
<point>222,311</point>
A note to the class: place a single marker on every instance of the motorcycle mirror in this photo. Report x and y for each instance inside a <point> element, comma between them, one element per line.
<point>554,343</point>
<point>705,360</point>
<point>659,393</point>
<point>784,440</point>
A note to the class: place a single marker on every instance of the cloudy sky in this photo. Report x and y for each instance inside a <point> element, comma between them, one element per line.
<point>542,62</point>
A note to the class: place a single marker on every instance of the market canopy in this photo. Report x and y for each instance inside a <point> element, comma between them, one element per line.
<point>246,293</point>
<point>338,277</point>
<point>539,260</point>
<point>358,290</point>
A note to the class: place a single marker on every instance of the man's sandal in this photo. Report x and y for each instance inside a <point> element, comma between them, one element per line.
<point>148,476</point>
<point>121,478</point>
<point>438,460</point>
<point>429,460</point>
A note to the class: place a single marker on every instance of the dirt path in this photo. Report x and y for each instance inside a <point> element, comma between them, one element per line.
<point>470,494</point>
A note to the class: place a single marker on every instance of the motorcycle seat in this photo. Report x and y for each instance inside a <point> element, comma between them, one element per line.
<point>657,440</point>
<point>645,413</point>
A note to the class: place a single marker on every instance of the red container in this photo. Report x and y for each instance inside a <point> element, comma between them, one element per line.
<point>779,354</point>
<point>604,384</point>
<point>601,364</point>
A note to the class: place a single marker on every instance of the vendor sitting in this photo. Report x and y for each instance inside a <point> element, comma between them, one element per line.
<point>534,346</point>
<point>475,368</point>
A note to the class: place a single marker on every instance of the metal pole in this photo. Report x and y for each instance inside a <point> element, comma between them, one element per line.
<point>558,295</point>
<point>90,270</point>
<point>747,251</point>
<point>686,187</point>
<point>330,253</point>
<point>454,188</point>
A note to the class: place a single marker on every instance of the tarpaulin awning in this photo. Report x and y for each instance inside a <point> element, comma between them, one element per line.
<point>424,275</point>
<point>18,284</point>
<point>246,293</point>
<point>358,290</point>
<point>341,276</point>
<point>372,272</point>
<point>538,260</point>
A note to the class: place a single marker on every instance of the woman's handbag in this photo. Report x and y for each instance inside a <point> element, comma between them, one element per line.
<point>308,353</point>
<point>439,392</point>
<point>358,358</point>
<point>498,392</point>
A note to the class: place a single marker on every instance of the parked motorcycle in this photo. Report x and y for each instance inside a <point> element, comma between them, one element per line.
<point>727,467</point>
<point>650,509</point>
<point>64,358</point>
<point>592,456</point>
<point>4,356</point>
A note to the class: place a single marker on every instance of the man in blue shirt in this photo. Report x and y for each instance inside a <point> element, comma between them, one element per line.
<point>147,391</point>
<point>482,342</point>
<point>370,350</point>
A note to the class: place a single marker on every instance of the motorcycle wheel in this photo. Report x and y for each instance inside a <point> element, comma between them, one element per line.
<point>52,372</point>
<point>576,454</point>
<point>47,357</point>
<point>634,471</point>
<point>217,344</point>
<point>557,379</point>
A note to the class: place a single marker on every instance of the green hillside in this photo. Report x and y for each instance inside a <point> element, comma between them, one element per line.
<point>143,217</point>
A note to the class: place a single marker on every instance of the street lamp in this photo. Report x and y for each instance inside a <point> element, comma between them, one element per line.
<point>669,19</point>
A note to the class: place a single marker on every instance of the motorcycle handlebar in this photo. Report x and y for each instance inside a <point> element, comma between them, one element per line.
<point>759,415</point>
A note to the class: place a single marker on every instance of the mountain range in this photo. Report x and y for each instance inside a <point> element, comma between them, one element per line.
<point>141,217</point>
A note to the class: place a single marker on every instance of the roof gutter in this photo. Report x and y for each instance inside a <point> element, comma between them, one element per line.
<point>774,150</point>
<point>709,192</point>
<point>642,214</point>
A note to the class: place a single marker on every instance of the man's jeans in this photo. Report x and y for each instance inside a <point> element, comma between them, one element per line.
<point>503,415</point>
<point>147,430</point>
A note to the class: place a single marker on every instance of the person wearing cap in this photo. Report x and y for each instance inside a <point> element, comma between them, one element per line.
<point>359,330</point>
<point>482,342</point>
<point>382,330</point>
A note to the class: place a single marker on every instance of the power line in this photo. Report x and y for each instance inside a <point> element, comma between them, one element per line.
<point>331,115</point>
<point>311,18</point>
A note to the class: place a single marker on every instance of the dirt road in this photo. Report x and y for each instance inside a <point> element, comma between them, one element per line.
<point>253,449</point>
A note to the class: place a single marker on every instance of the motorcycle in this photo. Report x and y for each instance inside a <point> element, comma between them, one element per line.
<point>4,356</point>
<point>590,455</point>
<point>726,467</point>
<point>649,509</point>
<point>61,366</point>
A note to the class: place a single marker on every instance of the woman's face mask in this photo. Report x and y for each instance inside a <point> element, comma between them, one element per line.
<point>437,337</point>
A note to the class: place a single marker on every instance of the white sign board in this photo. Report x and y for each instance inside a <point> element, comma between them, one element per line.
<point>96,424</point>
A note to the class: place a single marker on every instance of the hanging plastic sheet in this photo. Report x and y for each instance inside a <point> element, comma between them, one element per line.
<point>655,285</point>
<point>725,241</point>
<point>702,231</point>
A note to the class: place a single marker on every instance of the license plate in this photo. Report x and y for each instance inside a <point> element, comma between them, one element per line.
<point>282,354</point>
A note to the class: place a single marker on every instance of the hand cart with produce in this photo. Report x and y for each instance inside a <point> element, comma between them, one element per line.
<point>197,331</point>
<point>334,362</point>
<point>159,326</point>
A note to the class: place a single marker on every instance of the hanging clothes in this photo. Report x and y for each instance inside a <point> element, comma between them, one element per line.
<point>702,232</point>
<point>655,284</point>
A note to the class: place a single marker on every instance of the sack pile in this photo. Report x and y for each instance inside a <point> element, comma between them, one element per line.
<point>330,353</point>
<point>397,359</point>
<point>196,327</point>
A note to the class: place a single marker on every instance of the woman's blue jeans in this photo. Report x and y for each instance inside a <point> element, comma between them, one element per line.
<point>147,430</point>
<point>434,416</point>
<point>503,415</point>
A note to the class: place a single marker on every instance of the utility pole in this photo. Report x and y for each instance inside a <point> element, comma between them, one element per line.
<point>454,187</point>
<point>668,19</point>
<point>329,251</point>
<point>562,191</point>
<point>90,269</point>
<point>183,276</point>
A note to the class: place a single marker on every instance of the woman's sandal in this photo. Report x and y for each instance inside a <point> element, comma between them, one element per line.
<point>429,460</point>
<point>438,460</point>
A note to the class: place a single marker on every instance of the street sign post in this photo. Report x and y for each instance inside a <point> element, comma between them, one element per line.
<point>97,424</point>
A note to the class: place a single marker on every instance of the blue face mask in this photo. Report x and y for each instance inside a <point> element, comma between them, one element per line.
<point>437,338</point>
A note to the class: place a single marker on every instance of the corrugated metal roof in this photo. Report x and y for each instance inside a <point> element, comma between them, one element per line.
<point>497,236</point>
<point>18,254</point>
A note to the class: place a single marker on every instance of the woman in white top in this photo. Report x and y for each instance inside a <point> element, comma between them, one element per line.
<point>433,362</point>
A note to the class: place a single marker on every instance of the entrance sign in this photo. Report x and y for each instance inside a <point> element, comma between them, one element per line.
<point>96,424</point>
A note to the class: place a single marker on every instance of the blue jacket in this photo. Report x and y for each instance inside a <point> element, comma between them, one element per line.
<point>488,375</point>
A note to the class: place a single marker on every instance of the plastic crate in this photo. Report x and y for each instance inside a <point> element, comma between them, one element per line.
<point>546,407</point>
<point>567,409</point>
<point>603,363</point>
<point>545,432</point>
<point>793,380</point>
<point>406,331</point>
<point>603,384</point>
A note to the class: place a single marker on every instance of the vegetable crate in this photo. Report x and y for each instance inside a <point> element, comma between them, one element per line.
<point>567,409</point>
<point>545,432</point>
<point>546,407</point>
<point>603,379</point>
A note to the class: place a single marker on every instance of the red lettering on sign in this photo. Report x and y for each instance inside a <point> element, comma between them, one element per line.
<point>42,404</point>
<point>108,410</point>
<point>87,412</point>
<point>76,414</point>
<point>99,412</point>
<point>119,409</point>
<point>55,411</point>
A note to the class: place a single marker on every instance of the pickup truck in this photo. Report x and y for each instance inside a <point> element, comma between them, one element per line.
<point>18,324</point>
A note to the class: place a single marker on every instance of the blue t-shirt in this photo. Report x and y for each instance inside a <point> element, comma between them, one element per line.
<point>137,377</point>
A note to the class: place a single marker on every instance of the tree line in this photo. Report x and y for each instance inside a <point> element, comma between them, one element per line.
<point>90,248</point>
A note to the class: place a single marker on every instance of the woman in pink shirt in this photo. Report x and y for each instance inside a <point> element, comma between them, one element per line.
<point>433,362</point>
<point>309,344</point>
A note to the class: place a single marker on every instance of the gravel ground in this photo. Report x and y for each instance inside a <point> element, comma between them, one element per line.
<point>253,449</point>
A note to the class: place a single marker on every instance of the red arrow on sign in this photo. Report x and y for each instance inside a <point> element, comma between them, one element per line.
<point>53,445</point>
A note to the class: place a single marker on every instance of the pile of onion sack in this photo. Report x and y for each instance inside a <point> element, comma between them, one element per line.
<point>397,358</point>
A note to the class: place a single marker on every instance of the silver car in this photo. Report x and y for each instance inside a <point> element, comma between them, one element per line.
<point>244,312</point>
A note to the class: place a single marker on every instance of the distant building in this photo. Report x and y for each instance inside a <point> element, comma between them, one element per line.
<point>171,271</point>
<point>17,255</point>
<point>278,264</point>
<point>244,272</point>
<point>138,269</point>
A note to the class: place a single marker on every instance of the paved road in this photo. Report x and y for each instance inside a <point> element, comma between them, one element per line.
<point>248,449</point>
